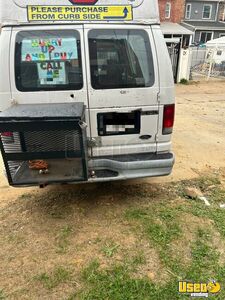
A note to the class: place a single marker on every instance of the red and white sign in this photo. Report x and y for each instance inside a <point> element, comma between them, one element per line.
<point>83,2</point>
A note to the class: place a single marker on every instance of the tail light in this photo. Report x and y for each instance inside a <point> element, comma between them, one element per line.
<point>7,134</point>
<point>168,118</point>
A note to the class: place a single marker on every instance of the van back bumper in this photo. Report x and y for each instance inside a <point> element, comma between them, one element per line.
<point>119,167</point>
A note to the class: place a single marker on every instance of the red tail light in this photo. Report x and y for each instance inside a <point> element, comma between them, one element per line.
<point>7,134</point>
<point>168,118</point>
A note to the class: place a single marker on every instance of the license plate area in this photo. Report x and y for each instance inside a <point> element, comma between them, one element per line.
<point>114,123</point>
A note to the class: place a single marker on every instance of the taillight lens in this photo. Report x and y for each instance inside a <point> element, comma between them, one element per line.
<point>168,118</point>
<point>7,134</point>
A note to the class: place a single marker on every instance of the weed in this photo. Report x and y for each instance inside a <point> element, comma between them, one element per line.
<point>97,240</point>
<point>161,225</point>
<point>201,183</point>
<point>217,195</point>
<point>204,258</point>
<point>62,239</point>
<point>89,272</point>
<point>2,296</point>
<point>183,81</point>
<point>136,213</point>
<point>58,276</point>
<point>109,249</point>
<point>117,284</point>
<point>139,259</point>
<point>26,196</point>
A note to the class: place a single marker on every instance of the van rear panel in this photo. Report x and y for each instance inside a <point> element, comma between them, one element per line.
<point>122,75</point>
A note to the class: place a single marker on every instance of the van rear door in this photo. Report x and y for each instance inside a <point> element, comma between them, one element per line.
<point>123,86</point>
<point>49,64</point>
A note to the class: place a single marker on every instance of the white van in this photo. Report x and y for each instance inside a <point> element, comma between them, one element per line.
<point>86,91</point>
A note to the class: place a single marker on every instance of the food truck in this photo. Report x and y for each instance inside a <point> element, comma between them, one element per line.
<point>86,91</point>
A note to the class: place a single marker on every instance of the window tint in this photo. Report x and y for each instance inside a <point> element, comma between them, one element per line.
<point>48,60</point>
<point>120,59</point>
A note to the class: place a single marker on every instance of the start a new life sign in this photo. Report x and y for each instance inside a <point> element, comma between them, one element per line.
<point>80,13</point>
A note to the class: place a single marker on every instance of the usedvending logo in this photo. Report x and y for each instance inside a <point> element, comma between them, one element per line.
<point>199,289</point>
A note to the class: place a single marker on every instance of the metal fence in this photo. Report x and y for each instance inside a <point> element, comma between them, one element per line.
<point>207,63</point>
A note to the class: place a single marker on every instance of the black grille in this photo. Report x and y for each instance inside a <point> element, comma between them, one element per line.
<point>67,140</point>
<point>57,142</point>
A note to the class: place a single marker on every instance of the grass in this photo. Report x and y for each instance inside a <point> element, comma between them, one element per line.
<point>161,224</point>
<point>114,284</point>
<point>117,284</point>
<point>26,196</point>
<point>62,242</point>
<point>203,183</point>
<point>204,257</point>
<point>109,249</point>
<point>213,213</point>
<point>139,259</point>
<point>2,296</point>
<point>157,222</point>
<point>58,276</point>
<point>184,81</point>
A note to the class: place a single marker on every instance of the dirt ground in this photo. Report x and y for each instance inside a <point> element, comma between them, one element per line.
<point>43,229</point>
<point>199,135</point>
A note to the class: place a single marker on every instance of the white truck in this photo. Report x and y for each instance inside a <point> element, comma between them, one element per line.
<point>86,91</point>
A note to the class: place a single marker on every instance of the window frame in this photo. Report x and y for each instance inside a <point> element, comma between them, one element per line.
<point>186,11</point>
<point>168,4</point>
<point>150,61</point>
<point>17,64</point>
<point>210,13</point>
<point>211,32</point>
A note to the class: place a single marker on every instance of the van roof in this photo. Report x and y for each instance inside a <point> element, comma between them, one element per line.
<point>14,12</point>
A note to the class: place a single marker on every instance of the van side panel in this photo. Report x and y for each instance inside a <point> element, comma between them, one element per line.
<point>5,90</point>
<point>166,85</point>
<point>166,80</point>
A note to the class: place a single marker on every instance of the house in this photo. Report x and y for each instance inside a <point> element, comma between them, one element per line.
<point>205,18</point>
<point>176,35</point>
<point>171,15</point>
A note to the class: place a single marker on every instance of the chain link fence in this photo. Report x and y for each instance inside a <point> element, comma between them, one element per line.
<point>207,63</point>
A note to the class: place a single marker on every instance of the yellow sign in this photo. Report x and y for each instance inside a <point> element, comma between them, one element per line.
<point>79,13</point>
<point>199,289</point>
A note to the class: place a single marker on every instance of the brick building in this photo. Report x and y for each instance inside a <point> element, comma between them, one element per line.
<point>171,11</point>
<point>176,35</point>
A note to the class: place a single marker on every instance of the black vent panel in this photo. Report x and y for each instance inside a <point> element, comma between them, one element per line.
<point>44,150</point>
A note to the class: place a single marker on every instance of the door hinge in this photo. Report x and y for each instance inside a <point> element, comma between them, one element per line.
<point>158,97</point>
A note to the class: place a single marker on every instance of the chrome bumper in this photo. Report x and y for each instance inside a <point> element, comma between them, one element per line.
<point>130,166</point>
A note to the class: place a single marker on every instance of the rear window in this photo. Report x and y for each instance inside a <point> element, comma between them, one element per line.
<point>120,59</point>
<point>48,60</point>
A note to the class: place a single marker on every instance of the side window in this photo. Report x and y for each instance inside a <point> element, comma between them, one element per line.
<point>188,11</point>
<point>48,60</point>
<point>167,10</point>
<point>205,37</point>
<point>207,9</point>
<point>120,59</point>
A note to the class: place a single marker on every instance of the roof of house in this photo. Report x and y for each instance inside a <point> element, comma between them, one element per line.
<point>205,25</point>
<point>174,28</point>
